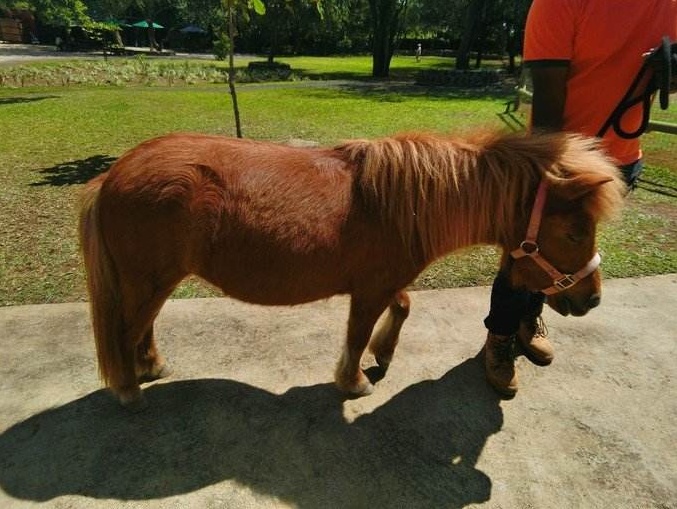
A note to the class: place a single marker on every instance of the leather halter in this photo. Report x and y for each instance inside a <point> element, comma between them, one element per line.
<point>529,247</point>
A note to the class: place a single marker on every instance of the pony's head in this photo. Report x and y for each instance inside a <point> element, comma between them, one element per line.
<point>557,251</point>
<point>444,193</point>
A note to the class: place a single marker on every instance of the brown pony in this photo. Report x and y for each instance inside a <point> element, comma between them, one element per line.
<point>276,225</point>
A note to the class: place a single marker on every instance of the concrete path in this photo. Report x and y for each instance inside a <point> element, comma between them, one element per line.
<point>26,53</point>
<point>250,418</point>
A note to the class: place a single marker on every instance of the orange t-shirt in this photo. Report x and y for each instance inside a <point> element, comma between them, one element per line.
<point>602,42</point>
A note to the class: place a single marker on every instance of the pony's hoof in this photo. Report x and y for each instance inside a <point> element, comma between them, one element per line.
<point>156,374</point>
<point>357,389</point>
<point>163,372</point>
<point>133,402</point>
<point>136,406</point>
<point>364,390</point>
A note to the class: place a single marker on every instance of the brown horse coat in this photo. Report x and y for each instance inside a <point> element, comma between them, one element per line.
<point>276,225</point>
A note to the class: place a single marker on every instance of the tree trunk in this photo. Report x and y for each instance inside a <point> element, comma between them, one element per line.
<point>385,17</point>
<point>231,67</point>
<point>274,13</point>
<point>512,50</point>
<point>382,54</point>
<point>472,23</point>
<point>481,40</point>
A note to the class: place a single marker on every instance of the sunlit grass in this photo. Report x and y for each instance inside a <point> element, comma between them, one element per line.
<point>53,138</point>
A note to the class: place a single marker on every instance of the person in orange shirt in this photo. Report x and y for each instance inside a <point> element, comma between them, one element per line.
<point>583,56</point>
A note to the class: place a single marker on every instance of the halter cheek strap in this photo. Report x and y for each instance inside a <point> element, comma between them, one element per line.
<point>529,247</point>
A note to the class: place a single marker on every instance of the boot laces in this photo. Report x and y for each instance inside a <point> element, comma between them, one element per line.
<point>540,328</point>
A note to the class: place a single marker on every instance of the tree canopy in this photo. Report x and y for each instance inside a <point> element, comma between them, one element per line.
<point>379,27</point>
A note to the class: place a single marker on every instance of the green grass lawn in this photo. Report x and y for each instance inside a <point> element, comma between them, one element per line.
<point>54,138</point>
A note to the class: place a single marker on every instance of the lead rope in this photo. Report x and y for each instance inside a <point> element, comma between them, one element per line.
<point>661,61</point>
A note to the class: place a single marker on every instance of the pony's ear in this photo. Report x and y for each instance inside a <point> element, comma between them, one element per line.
<point>579,186</point>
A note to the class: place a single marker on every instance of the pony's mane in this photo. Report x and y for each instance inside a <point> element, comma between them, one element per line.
<point>443,192</point>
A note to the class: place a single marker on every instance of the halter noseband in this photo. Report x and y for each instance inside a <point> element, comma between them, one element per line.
<point>529,247</point>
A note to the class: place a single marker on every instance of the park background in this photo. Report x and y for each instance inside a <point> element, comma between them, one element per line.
<point>304,72</point>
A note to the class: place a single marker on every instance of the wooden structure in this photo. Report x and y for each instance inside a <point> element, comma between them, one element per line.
<point>11,30</point>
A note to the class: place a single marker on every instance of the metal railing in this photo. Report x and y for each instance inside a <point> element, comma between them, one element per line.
<point>524,94</point>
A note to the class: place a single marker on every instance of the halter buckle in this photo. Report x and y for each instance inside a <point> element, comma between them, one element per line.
<point>566,281</point>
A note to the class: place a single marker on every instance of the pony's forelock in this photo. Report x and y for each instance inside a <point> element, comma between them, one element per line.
<point>584,160</point>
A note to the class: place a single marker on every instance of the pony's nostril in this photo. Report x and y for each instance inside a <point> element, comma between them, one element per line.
<point>594,301</point>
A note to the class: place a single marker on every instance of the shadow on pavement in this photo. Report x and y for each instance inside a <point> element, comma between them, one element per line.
<point>417,450</point>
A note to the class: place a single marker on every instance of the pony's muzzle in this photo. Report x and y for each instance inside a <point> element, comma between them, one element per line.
<point>594,301</point>
<point>569,305</point>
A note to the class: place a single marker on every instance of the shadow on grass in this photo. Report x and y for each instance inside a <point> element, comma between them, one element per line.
<point>389,91</point>
<point>20,100</point>
<point>74,172</point>
<point>511,121</point>
<point>419,449</point>
<point>400,72</point>
<point>657,187</point>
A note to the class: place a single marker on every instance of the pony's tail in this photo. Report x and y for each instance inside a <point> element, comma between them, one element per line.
<point>103,286</point>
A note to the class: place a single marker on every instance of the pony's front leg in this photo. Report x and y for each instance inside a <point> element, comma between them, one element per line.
<point>150,365</point>
<point>384,341</point>
<point>363,315</point>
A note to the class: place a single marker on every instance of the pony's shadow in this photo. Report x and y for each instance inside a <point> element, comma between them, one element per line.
<point>417,450</point>
<point>74,172</point>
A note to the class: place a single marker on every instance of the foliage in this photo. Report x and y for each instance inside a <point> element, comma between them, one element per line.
<point>221,45</point>
<point>8,5</point>
<point>380,27</point>
<point>107,9</point>
<point>61,12</point>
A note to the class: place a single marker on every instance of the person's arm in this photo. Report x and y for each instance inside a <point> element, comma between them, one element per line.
<point>549,97</point>
<point>549,39</point>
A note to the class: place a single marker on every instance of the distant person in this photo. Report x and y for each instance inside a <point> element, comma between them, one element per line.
<point>419,50</point>
<point>583,56</point>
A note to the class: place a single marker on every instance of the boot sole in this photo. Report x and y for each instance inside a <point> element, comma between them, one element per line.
<point>539,361</point>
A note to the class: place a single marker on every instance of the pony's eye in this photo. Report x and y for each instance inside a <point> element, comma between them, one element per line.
<point>575,238</point>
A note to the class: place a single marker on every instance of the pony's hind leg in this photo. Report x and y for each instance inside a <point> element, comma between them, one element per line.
<point>139,355</point>
<point>125,385</point>
<point>385,339</point>
<point>363,315</point>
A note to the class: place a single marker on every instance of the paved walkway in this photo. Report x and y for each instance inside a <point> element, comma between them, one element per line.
<point>250,418</point>
<point>24,53</point>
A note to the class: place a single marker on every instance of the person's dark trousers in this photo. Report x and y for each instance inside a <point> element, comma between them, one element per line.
<point>631,173</point>
<point>510,305</point>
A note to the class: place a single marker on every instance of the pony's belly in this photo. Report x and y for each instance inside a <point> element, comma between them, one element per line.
<point>279,284</point>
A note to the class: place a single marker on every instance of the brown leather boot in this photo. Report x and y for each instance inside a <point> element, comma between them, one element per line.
<point>533,337</point>
<point>499,363</point>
